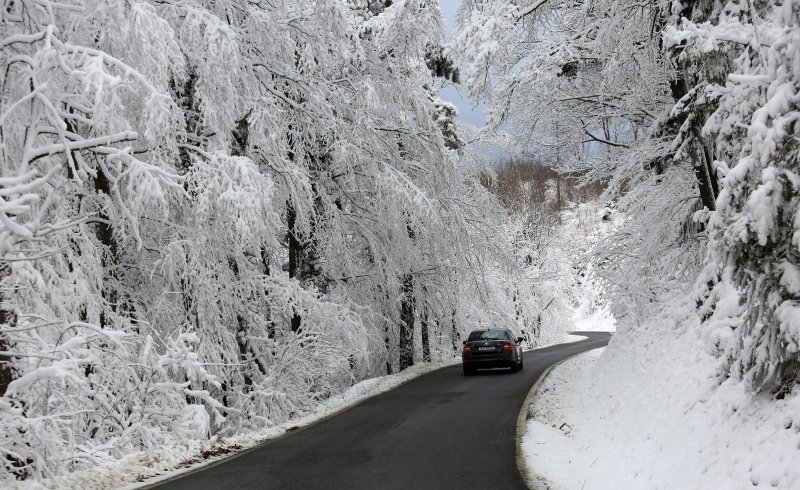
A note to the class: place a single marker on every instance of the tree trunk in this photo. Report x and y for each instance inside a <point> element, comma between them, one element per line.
<point>699,151</point>
<point>558,192</point>
<point>424,334</point>
<point>703,161</point>
<point>267,272</point>
<point>105,235</point>
<point>6,319</point>
<point>454,331</point>
<point>295,249</point>
<point>241,338</point>
<point>705,179</point>
<point>241,341</point>
<point>407,323</point>
<point>388,342</point>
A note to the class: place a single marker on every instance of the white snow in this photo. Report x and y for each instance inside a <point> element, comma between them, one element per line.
<point>550,448</point>
<point>160,464</point>
<point>592,315</point>
<point>648,412</point>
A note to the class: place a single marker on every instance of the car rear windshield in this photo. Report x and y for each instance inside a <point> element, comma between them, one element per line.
<point>487,335</point>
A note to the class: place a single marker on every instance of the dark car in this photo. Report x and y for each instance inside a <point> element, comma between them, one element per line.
<point>491,348</point>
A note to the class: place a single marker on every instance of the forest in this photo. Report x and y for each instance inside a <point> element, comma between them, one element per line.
<point>689,110</point>
<point>217,214</point>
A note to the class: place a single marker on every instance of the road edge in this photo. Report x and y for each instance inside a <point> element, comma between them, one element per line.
<point>532,480</point>
<point>179,473</point>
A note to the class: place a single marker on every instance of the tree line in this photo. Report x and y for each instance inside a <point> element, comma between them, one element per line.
<point>689,111</point>
<point>215,214</point>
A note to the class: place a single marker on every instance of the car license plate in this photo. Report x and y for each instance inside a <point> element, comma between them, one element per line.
<point>485,348</point>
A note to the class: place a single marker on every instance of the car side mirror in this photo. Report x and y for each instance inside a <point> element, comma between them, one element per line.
<point>520,340</point>
<point>463,342</point>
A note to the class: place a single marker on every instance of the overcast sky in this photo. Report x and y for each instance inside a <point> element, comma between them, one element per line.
<point>467,113</point>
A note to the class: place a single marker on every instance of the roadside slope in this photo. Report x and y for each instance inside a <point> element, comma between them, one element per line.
<point>650,413</point>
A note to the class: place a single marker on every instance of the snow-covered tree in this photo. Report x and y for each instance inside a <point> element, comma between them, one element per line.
<point>751,286</point>
<point>587,85</point>
<point>689,109</point>
<point>216,214</point>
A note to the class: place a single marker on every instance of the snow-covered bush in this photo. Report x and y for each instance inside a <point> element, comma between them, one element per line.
<point>754,248</point>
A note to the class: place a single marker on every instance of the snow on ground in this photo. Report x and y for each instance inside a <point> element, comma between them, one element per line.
<point>160,464</point>
<point>649,413</point>
<point>592,315</point>
<point>574,338</point>
<point>171,460</point>
<point>551,451</point>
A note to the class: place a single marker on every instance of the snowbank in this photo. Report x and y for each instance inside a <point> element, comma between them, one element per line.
<point>551,452</point>
<point>649,413</point>
<point>170,460</point>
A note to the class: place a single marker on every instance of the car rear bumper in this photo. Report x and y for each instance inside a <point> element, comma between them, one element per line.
<point>486,362</point>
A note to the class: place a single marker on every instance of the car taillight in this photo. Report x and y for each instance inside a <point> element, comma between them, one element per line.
<point>467,350</point>
<point>508,346</point>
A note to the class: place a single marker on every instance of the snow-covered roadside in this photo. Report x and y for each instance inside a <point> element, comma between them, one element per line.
<point>572,338</point>
<point>171,460</point>
<point>160,464</point>
<point>650,414</point>
<point>558,445</point>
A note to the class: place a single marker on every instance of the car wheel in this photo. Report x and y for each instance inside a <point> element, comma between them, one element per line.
<point>515,367</point>
<point>468,371</point>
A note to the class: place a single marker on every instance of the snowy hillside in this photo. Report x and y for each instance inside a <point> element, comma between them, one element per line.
<point>649,413</point>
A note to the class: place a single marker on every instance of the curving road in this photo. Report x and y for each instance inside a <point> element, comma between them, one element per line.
<point>441,430</point>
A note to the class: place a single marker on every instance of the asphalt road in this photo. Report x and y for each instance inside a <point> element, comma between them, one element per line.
<point>441,430</point>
